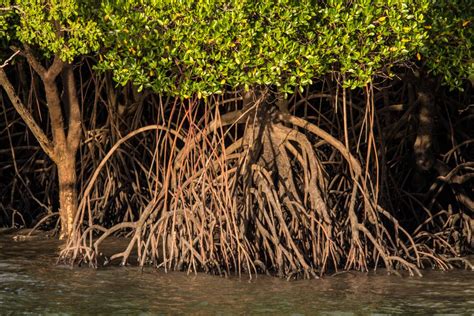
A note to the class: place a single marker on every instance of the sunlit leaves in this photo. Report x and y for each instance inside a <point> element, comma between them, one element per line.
<point>67,28</point>
<point>209,46</point>
<point>187,47</point>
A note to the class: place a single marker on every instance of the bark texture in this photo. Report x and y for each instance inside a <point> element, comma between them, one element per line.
<point>62,149</point>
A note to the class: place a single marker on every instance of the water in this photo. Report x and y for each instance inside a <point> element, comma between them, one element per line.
<point>30,282</point>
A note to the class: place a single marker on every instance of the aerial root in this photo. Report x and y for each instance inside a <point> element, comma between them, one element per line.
<point>259,190</point>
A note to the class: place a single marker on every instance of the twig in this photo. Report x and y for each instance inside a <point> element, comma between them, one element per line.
<point>5,63</point>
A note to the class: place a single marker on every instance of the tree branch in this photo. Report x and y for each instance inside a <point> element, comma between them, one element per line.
<point>57,118</point>
<point>34,63</point>
<point>74,120</point>
<point>40,136</point>
<point>9,59</point>
<point>55,69</point>
<point>49,74</point>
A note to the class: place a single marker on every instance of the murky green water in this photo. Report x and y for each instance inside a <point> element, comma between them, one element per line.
<point>31,283</point>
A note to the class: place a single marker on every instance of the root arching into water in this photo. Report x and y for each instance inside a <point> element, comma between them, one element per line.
<point>252,186</point>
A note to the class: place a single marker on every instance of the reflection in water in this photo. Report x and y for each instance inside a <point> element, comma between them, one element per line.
<point>30,282</point>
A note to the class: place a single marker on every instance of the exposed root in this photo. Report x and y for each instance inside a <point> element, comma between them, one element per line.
<point>260,190</point>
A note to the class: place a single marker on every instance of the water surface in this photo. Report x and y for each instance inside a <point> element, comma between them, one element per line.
<point>31,282</point>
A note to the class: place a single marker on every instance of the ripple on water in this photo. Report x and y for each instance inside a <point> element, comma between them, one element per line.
<point>30,282</point>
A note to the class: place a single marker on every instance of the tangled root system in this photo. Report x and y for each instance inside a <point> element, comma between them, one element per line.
<point>253,183</point>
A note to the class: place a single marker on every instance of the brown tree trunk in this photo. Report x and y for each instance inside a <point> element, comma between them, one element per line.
<point>66,161</point>
<point>65,144</point>
<point>66,138</point>
<point>67,193</point>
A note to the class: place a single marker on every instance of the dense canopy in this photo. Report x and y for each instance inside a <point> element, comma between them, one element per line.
<point>52,27</point>
<point>186,47</point>
<point>206,47</point>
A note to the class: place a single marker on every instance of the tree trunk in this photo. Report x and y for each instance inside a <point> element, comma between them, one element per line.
<point>66,138</point>
<point>66,160</point>
<point>67,193</point>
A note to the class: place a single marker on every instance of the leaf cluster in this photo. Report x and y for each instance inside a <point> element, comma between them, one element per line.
<point>208,46</point>
<point>448,47</point>
<point>205,47</point>
<point>66,28</point>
